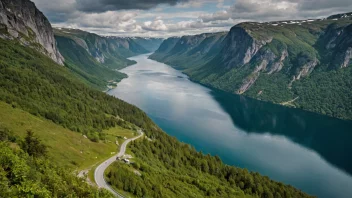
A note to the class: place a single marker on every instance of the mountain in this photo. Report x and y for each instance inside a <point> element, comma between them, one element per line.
<point>164,49</point>
<point>21,20</point>
<point>95,58</point>
<point>108,51</point>
<point>53,124</point>
<point>150,44</point>
<point>190,50</point>
<point>298,63</point>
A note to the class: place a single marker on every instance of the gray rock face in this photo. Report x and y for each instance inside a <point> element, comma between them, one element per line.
<point>240,48</point>
<point>277,66</point>
<point>23,21</point>
<point>348,57</point>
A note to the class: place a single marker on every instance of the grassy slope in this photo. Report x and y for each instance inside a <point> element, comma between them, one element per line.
<point>35,84</point>
<point>65,146</point>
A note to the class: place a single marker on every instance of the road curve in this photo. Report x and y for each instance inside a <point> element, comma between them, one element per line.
<point>99,171</point>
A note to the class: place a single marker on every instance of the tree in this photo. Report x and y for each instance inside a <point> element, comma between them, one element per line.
<point>33,146</point>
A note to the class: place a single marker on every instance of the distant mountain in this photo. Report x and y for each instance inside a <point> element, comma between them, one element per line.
<point>304,64</point>
<point>79,125</point>
<point>150,44</point>
<point>189,50</point>
<point>93,57</point>
<point>21,20</point>
<point>165,47</point>
<point>111,52</point>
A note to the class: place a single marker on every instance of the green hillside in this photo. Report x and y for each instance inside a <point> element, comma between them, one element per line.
<point>25,173</point>
<point>302,63</point>
<point>58,103</point>
<point>85,66</point>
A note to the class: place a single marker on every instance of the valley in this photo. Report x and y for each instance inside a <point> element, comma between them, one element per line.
<point>283,143</point>
<point>273,61</point>
<point>142,109</point>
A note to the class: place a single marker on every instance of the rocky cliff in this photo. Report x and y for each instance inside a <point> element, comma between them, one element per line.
<point>272,61</point>
<point>20,19</point>
<point>96,58</point>
<point>189,51</point>
<point>110,51</point>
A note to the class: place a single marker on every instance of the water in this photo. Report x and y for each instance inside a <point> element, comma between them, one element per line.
<point>306,150</point>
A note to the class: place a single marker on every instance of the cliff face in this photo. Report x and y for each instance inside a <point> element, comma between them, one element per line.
<point>111,52</point>
<point>21,20</point>
<point>189,51</point>
<point>97,58</point>
<point>271,61</point>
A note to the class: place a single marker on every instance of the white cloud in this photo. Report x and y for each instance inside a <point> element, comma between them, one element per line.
<point>187,17</point>
<point>156,25</point>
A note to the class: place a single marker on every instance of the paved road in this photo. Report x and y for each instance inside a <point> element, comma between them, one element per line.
<point>99,171</point>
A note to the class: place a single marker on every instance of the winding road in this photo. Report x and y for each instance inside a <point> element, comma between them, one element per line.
<point>99,171</point>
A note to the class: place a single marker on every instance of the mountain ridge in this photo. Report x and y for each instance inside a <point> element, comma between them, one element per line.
<point>271,61</point>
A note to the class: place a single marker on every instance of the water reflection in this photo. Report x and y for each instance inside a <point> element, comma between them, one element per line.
<point>328,136</point>
<point>299,148</point>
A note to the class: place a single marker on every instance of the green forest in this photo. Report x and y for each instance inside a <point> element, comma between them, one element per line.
<point>25,171</point>
<point>172,169</point>
<point>324,89</point>
<point>34,83</point>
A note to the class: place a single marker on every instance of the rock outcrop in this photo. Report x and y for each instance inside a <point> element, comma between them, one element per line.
<point>111,52</point>
<point>20,19</point>
<point>348,56</point>
<point>189,51</point>
<point>240,47</point>
<point>270,61</point>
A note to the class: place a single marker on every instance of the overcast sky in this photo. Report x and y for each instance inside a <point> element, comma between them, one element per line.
<point>165,18</point>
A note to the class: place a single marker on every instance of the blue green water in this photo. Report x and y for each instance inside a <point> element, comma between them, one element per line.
<point>307,150</point>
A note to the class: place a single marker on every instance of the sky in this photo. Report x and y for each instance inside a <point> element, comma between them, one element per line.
<point>166,18</point>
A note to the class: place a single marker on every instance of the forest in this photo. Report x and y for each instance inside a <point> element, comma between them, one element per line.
<point>25,171</point>
<point>34,83</point>
<point>169,168</point>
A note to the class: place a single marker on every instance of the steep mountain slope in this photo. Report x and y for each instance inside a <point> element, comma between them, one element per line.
<point>34,83</point>
<point>284,62</point>
<point>190,51</point>
<point>85,66</point>
<point>150,44</point>
<point>110,52</point>
<point>164,49</point>
<point>50,98</point>
<point>21,20</point>
<point>95,58</point>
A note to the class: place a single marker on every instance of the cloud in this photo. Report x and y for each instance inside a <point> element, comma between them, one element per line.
<point>156,25</point>
<point>221,15</point>
<point>113,5</point>
<point>269,10</point>
<point>57,11</point>
<point>164,18</point>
